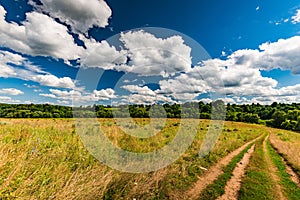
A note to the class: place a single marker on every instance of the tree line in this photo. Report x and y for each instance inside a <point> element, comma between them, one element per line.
<point>278,115</point>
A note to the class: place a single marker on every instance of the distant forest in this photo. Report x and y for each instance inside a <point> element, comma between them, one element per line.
<point>277,115</point>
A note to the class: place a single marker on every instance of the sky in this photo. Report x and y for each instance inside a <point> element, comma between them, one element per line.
<point>79,52</point>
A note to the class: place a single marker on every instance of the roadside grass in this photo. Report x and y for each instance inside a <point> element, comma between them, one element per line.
<point>179,176</point>
<point>45,159</point>
<point>216,189</point>
<point>38,157</point>
<point>290,189</point>
<point>257,183</point>
<point>287,144</point>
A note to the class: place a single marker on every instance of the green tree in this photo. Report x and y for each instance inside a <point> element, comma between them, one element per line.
<point>278,118</point>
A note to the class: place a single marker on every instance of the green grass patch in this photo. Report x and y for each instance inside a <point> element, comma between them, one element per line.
<point>257,183</point>
<point>290,189</point>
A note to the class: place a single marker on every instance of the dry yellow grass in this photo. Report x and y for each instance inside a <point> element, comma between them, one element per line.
<point>44,159</point>
<point>288,144</point>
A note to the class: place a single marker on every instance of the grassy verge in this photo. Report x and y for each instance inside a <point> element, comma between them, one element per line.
<point>171,182</point>
<point>257,183</point>
<point>216,189</point>
<point>44,159</point>
<point>290,189</point>
<point>295,168</point>
<point>287,145</point>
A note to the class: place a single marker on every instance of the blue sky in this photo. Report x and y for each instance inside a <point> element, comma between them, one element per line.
<point>85,52</point>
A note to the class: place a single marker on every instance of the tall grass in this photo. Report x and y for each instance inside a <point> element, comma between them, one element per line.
<point>287,143</point>
<point>45,159</point>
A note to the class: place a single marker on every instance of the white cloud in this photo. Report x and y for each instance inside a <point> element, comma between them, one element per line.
<point>293,90</point>
<point>39,35</point>
<point>11,91</point>
<point>223,54</point>
<point>7,58</point>
<point>283,54</point>
<point>48,95</point>
<point>150,55</point>
<point>80,14</point>
<point>104,94</point>
<point>26,71</point>
<point>143,54</point>
<point>65,95</point>
<point>144,95</point>
<point>142,99</point>
<point>101,55</point>
<point>81,97</point>
<point>4,99</point>
<point>296,18</point>
<point>139,90</point>
<point>31,86</point>
<point>38,90</point>
<point>184,87</point>
<point>279,22</point>
<point>239,74</point>
<point>62,102</point>
<point>53,81</point>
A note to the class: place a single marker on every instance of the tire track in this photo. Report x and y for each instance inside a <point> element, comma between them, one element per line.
<point>214,172</point>
<point>294,177</point>
<point>234,184</point>
<point>273,170</point>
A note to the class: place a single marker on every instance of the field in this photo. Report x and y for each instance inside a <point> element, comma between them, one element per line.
<point>45,159</point>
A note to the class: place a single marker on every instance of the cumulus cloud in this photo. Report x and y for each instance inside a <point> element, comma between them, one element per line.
<point>101,55</point>
<point>11,91</point>
<point>79,14</point>
<point>237,75</point>
<point>53,81</point>
<point>4,99</point>
<point>144,95</point>
<point>150,55</point>
<point>7,58</point>
<point>142,99</point>
<point>39,35</point>
<point>26,71</point>
<point>240,73</point>
<point>281,54</point>
<point>81,97</point>
<point>139,90</point>
<point>143,53</point>
<point>104,94</point>
<point>183,87</point>
<point>296,18</point>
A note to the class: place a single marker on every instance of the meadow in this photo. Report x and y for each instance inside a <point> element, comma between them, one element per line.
<point>46,159</point>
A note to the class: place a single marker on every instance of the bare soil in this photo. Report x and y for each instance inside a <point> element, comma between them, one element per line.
<point>213,173</point>
<point>273,170</point>
<point>234,184</point>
